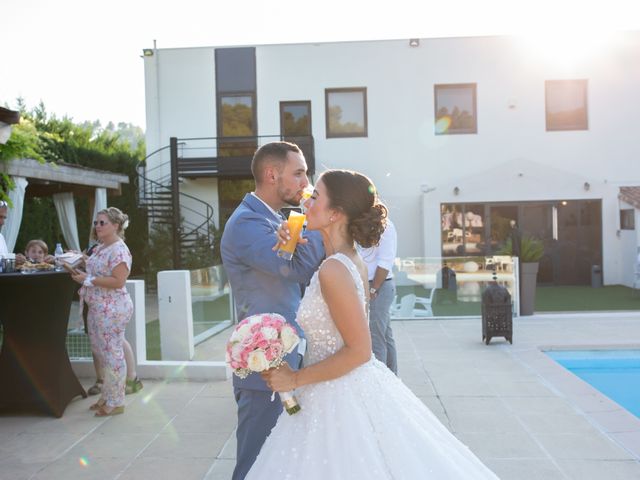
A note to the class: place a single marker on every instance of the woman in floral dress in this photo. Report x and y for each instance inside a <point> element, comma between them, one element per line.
<point>110,307</point>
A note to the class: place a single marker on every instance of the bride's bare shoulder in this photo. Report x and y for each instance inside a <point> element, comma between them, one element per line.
<point>332,267</point>
<point>337,272</point>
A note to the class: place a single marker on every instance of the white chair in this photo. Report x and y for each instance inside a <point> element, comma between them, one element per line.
<point>502,261</point>
<point>406,307</point>
<point>488,263</point>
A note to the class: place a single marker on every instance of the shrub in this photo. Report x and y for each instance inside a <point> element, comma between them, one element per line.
<point>531,249</point>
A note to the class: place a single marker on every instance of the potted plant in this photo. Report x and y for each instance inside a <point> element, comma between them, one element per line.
<point>531,251</point>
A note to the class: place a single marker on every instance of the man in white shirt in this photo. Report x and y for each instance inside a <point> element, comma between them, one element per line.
<point>3,216</point>
<point>382,290</point>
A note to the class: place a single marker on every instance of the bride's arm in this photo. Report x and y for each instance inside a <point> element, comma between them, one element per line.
<point>341,295</point>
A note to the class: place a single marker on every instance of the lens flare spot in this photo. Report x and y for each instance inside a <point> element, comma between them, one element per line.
<point>83,461</point>
<point>180,368</point>
<point>443,124</point>
<point>372,190</point>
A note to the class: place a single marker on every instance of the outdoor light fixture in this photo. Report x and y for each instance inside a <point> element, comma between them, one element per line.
<point>456,190</point>
<point>147,52</point>
<point>587,186</point>
<point>414,42</point>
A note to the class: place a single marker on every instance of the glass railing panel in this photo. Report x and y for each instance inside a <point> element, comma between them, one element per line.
<point>211,302</point>
<point>449,287</point>
<point>78,344</point>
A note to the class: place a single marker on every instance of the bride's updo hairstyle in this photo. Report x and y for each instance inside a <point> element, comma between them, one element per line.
<point>356,196</point>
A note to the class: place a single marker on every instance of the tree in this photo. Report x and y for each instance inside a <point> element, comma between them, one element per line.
<point>115,148</point>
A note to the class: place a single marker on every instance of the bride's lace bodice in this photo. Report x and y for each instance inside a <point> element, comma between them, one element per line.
<point>323,338</point>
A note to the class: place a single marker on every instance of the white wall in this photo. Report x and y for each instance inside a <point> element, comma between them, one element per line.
<point>184,82</point>
<point>206,189</point>
<point>401,151</point>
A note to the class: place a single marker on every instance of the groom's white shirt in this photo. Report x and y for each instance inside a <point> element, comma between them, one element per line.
<point>302,346</point>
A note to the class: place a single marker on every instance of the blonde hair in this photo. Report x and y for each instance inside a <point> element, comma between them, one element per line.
<point>116,217</point>
<point>37,243</point>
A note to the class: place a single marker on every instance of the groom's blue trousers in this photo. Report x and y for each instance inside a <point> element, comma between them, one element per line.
<point>257,415</point>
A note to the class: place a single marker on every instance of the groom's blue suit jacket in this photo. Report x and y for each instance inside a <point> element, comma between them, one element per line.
<point>261,281</point>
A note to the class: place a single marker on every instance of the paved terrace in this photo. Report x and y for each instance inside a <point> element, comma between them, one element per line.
<point>521,413</point>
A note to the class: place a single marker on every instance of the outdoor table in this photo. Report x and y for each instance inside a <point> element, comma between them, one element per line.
<point>35,371</point>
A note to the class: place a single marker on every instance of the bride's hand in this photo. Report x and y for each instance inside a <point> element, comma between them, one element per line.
<point>283,236</point>
<point>281,379</point>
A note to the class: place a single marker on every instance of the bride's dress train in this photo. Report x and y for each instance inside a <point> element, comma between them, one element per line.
<point>364,425</point>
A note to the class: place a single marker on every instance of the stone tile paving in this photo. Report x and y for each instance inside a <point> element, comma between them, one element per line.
<point>520,412</point>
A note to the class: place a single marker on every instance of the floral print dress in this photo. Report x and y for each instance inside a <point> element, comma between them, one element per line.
<point>110,309</point>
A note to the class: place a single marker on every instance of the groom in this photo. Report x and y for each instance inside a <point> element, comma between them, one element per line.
<point>262,282</point>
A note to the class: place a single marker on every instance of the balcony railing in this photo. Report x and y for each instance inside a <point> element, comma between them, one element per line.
<point>231,156</point>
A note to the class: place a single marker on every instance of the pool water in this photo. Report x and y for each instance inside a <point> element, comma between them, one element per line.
<point>615,373</point>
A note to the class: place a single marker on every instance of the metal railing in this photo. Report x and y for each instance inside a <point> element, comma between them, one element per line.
<point>162,199</point>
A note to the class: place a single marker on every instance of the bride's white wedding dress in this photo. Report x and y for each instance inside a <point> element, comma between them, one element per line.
<point>364,425</point>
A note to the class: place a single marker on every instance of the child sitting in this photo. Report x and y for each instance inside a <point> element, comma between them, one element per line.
<point>36,251</point>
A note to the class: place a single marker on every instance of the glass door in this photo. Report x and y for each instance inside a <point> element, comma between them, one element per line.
<point>295,126</point>
<point>237,125</point>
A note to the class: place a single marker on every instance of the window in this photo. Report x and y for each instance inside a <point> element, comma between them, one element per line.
<point>237,115</point>
<point>237,120</point>
<point>455,108</point>
<point>295,119</point>
<point>627,219</point>
<point>566,105</point>
<point>462,229</point>
<point>295,126</point>
<point>346,112</point>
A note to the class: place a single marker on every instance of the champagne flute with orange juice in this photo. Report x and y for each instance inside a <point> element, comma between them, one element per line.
<point>296,223</point>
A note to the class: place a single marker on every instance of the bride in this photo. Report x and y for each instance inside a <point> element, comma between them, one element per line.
<point>358,420</point>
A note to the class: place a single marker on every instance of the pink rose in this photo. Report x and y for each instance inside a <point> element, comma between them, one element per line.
<point>276,348</point>
<point>270,354</point>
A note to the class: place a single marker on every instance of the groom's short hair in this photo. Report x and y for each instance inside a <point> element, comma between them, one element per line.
<point>273,152</point>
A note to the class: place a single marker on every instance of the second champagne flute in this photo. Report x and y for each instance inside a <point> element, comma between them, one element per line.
<point>295,222</point>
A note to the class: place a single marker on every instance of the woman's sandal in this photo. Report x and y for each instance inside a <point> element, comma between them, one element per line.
<point>102,412</point>
<point>97,406</point>
<point>96,388</point>
<point>133,386</point>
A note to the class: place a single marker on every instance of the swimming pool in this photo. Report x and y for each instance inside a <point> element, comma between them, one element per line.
<point>615,373</point>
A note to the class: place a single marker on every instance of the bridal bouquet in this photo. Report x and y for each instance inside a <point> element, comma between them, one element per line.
<point>260,342</point>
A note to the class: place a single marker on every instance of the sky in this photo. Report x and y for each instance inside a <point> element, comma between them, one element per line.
<point>82,58</point>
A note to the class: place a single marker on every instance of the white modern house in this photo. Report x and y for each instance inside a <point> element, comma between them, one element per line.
<point>460,135</point>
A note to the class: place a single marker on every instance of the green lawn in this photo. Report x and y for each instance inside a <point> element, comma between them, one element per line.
<point>153,341</point>
<point>580,299</point>
<point>548,299</point>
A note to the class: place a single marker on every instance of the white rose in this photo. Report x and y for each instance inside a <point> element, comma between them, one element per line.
<point>240,333</point>
<point>269,333</point>
<point>289,338</point>
<point>257,361</point>
<point>255,319</point>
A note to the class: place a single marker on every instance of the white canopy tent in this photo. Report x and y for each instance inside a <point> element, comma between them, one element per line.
<point>12,224</point>
<point>63,183</point>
